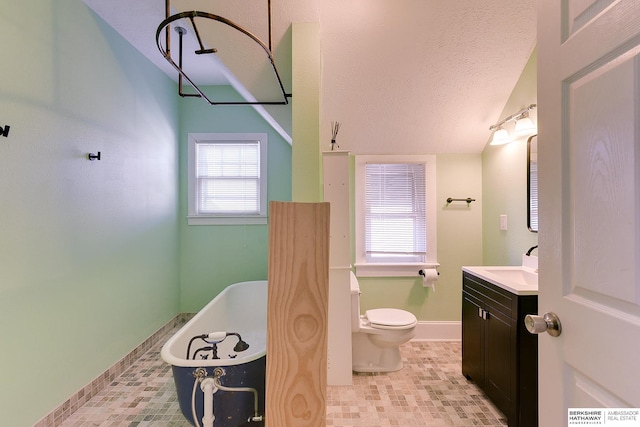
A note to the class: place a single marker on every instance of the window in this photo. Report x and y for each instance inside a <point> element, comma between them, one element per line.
<point>227,179</point>
<point>395,215</point>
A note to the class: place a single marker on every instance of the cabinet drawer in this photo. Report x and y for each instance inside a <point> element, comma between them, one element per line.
<point>495,297</point>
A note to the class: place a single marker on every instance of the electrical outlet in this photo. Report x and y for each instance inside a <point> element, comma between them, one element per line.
<point>503,222</point>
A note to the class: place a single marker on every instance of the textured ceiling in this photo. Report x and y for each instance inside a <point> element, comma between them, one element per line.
<point>423,76</point>
<point>406,76</point>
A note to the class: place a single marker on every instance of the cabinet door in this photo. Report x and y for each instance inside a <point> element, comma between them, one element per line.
<point>472,339</point>
<point>500,361</point>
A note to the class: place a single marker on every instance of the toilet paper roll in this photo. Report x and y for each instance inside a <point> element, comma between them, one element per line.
<point>429,278</point>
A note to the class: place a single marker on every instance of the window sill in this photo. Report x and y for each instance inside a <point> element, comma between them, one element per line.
<point>226,220</point>
<point>392,270</point>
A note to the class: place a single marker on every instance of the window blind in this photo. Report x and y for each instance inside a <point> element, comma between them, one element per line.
<point>228,178</point>
<point>395,212</point>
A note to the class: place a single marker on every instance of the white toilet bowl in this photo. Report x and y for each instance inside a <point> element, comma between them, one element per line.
<point>378,334</point>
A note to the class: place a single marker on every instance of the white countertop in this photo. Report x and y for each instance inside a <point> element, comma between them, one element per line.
<point>518,280</point>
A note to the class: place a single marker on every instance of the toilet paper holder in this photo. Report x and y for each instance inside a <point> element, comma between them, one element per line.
<point>422,272</point>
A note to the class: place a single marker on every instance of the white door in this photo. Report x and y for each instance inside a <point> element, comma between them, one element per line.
<point>589,158</point>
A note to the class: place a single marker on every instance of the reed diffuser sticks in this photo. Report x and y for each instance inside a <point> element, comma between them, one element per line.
<point>335,127</point>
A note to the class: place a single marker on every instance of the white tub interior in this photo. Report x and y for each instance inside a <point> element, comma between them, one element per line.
<point>241,308</point>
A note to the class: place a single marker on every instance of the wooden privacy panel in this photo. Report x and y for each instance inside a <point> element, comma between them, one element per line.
<point>298,295</point>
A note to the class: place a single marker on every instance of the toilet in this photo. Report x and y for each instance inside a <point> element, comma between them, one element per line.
<point>378,334</point>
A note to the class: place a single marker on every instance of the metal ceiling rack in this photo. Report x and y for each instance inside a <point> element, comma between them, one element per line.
<point>165,26</point>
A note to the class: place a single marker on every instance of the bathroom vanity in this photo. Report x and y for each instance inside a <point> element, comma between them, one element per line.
<point>498,353</point>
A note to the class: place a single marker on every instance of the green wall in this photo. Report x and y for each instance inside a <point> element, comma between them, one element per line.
<point>459,243</point>
<point>215,256</point>
<point>88,254</point>
<point>504,177</point>
<point>306,84</point>
<point>95,256</point>
<point>496,178</point>
<point>458,175</point>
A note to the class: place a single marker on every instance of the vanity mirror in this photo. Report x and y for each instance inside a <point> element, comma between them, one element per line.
<point>532,183</point>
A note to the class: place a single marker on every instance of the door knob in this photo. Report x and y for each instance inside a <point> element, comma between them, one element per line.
<point>537,324</point>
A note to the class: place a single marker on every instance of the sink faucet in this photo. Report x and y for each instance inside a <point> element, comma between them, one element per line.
<point>531,250</point>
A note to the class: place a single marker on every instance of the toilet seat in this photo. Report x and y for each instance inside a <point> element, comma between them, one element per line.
<point>390,318</point>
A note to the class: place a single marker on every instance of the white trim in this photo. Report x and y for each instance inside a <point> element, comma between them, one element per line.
<point>438,331</point>
<point>393,270</point>
<point>227,220</point>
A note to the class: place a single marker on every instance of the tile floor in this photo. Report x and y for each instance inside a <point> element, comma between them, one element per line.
<point>429,392</point>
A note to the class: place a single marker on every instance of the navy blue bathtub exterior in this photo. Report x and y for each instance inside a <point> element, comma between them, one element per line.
<point>231,409</point>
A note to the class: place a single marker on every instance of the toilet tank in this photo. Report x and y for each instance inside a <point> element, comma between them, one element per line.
<point>355,303</point>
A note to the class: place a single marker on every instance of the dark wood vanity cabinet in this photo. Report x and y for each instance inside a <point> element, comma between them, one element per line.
<point>498,353</point>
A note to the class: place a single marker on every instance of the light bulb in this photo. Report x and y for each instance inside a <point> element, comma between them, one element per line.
<point>500,136</point>
<point>524,127</point>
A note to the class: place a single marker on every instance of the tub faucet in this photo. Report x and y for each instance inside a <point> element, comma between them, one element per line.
<point>213,339</point>
<point>531,250</point>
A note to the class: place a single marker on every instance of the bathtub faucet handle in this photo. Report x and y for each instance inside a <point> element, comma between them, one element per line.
<point>200,374</point>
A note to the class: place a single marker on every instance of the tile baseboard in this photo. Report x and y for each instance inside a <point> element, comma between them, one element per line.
<point>82,396</point>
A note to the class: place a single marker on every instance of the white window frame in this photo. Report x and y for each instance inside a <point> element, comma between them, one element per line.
<point>365,268</point>
<point>193,217</point>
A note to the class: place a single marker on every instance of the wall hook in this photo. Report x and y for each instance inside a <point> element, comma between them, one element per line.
<point>4,131</point>
<point>92,156</point>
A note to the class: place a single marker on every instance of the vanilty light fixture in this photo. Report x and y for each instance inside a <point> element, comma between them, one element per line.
<point>524,127</point>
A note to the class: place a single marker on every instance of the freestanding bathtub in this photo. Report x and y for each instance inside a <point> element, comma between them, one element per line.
<point>238,313</point>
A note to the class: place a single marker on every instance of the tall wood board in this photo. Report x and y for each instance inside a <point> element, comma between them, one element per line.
<point>297,311</point>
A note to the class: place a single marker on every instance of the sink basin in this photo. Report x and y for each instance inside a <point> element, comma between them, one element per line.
<point>517,279</point>
<point>518,274</point>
